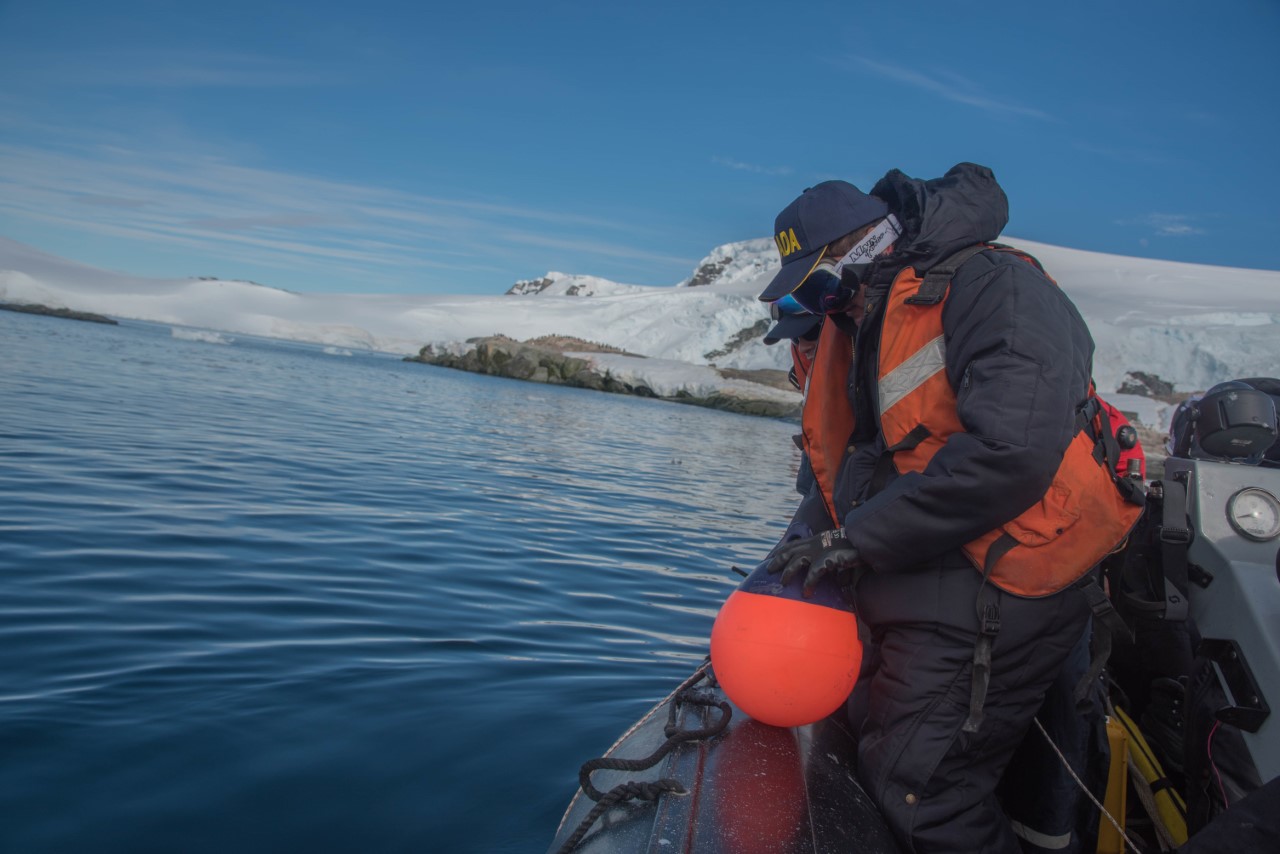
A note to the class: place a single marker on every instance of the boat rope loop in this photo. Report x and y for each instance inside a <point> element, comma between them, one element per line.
<point>637,790</point>
<point>616,795</point>
<point>1066,763</point>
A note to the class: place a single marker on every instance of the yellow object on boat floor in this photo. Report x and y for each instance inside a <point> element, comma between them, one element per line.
<point>1170,808</point>
<point>1110,839</point>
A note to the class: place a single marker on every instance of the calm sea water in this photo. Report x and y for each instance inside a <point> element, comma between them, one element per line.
<point>260,597</point>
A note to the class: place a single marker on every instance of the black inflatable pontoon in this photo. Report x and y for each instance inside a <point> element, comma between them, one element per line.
<point>717,781</point>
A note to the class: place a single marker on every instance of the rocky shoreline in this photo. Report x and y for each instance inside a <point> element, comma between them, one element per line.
<point>557,360</point>
<point>65,313</point>
<point>553,361</point>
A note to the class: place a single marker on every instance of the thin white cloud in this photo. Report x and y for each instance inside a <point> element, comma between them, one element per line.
<point>738,165</point>
<point>1166,225</point>
<point>110,201</point>
<point>173,196</point>
<point>1147,157</point>
<point>595,247</point>
<point>367,261</point>
<point>171,69</point>
<point>953,87</point>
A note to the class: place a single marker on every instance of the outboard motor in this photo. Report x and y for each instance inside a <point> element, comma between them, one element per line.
<point>1233,421</point>
<point>1225,468</point>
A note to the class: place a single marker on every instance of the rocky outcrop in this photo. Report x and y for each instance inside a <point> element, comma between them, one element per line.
<point>525,287</point>
<point>1147,385</point>
<point>33,308</point>
<point>501,356</point>
<point>743,338</point>
<point>708,272</point>
<point>568,343</point>
<point>741,405</point>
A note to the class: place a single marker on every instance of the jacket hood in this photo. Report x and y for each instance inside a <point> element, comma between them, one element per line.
<point>943,215</point>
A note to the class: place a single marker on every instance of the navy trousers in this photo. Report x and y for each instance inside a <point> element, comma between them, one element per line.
<point>935,783</point>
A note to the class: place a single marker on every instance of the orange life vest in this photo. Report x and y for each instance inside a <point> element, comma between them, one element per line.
<point>827,417</point>
<point>1080,520</point>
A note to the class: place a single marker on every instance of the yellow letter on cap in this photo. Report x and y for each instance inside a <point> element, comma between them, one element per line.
<point>787,242</point>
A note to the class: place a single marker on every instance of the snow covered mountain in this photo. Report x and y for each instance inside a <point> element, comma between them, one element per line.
<point>1191,325</point>
<point>563,284</point>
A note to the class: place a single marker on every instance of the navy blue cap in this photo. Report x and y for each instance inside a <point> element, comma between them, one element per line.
<point>792,326</point>
<point>822,213</point>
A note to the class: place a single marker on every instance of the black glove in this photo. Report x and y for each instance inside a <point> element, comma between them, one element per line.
<point>822,554</point>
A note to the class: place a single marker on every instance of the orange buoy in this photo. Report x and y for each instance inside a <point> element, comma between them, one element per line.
<point>783,659</point>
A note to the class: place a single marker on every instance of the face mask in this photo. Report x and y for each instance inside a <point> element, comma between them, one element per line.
<point>872,244</point>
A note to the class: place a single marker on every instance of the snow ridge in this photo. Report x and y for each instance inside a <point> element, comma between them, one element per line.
<point>1192,325</point>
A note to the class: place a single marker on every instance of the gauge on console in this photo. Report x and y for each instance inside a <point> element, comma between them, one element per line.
<point>1255,513</point>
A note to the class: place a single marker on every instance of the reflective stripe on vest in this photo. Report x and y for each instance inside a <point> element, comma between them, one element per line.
<point>913,373</point>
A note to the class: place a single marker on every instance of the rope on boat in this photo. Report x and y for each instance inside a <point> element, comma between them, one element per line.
<point>1067,764</point>
<point>686,694</point>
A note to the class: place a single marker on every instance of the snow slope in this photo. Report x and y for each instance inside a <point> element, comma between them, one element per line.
<point>1192,325</point>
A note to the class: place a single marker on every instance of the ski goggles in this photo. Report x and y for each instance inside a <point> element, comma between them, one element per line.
<point>791,321</point>
<point>786,306</point>
<point>827,289</point>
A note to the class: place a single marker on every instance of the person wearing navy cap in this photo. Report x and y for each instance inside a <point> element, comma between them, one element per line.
<point>954,441</point>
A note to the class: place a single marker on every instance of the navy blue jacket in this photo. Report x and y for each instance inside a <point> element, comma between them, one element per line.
<point>1018,356</point>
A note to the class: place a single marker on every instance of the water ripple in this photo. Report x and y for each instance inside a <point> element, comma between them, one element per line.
<point>259,598</point>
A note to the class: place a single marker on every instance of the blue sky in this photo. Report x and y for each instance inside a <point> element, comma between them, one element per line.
<point>410,147</point>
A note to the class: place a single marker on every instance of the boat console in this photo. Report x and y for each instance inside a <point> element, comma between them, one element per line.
<point>1234,593</point>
